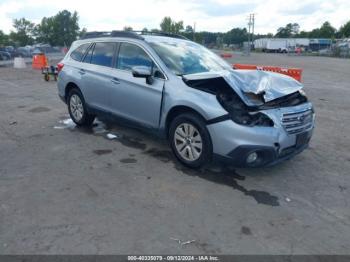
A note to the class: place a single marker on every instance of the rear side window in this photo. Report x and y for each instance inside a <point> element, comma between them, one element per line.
<point>78,53</point>
<point>88,56</point>
<point>103,54</point>
<point>131,55</point>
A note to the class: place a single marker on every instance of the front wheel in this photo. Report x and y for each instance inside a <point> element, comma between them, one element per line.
<point>77,108</point>
<point>190,140</point>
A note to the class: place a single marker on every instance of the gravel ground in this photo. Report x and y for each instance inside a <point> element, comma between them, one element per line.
<point>65,190</point>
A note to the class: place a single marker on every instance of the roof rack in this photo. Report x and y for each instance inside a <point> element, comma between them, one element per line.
<point>96,34</point>
<point>161,33</point>
<point>129,34</point>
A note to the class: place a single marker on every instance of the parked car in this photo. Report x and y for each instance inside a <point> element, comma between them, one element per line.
<point>24,52</point>
<point>187,94</point>
<point>5,55</point>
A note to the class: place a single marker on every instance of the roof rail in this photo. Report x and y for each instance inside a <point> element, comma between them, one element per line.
<point>161,33</point>
<point>96,34</point>
<point>130,34</point>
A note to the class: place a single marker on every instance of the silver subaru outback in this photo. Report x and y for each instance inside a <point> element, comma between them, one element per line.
<point>188,95</point>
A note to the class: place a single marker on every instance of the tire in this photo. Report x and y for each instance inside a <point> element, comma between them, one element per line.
<point>77,108</point>
<point>193,154</point>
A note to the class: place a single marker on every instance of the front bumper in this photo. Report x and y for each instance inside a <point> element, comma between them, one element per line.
<point>267,156</point>
<point>233,143</point>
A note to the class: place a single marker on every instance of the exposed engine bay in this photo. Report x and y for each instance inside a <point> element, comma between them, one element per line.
<point>238,111</point>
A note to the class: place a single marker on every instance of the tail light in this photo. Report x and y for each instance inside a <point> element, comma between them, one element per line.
<point>60,67</point>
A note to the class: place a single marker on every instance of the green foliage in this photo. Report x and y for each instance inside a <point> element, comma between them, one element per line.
<point>327,30</point>
<point>127,28</point>
<point>189,29</point>
<point>4,39</point>
<point>45,31</point>
<point>23,34</point>
<point>59,30</point>
<point>169,26</point>
<point>344,30</point>
<point>290,30</point>
<point>63,28</point>
<point>236,36</point>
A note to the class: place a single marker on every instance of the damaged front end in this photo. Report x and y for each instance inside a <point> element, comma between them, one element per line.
<point>244,97</point>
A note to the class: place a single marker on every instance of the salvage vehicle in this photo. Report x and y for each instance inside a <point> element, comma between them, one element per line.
<point>188,95</point>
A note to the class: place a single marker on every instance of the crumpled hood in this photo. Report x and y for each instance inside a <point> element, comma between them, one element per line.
<point>268,84</point>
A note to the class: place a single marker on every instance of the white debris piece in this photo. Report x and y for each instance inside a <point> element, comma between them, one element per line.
<point>111,136</point>
<point>66,123</point>
<point>59,127</point>
<point>182,243</point>
<point>288,199</point>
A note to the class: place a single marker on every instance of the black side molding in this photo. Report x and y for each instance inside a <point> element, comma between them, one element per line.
<point>218,119</point>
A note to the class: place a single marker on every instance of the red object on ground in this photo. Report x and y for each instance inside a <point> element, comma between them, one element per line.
<point>226,55</point>
<point>39,61</point>
<point>296,73</point>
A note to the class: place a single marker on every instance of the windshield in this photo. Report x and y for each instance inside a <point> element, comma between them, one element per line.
<point>184,57</point>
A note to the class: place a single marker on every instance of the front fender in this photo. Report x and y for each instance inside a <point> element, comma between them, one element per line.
<point>202,102</point>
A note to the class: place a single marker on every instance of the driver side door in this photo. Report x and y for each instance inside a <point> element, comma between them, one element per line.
<point>130,97</point>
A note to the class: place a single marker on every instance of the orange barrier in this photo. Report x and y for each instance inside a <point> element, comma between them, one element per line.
<point>296,73</point>
<point>226,55</point>
<point>39,61</point>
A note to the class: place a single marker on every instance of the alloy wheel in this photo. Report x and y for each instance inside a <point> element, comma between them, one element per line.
<point>188,142</point>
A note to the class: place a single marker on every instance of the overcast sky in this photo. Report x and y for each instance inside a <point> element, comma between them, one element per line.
<point>209,15</point>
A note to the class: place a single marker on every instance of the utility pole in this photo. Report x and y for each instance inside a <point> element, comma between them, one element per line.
<point>253,21</point>
<point>194,32</point>
<point>251,27</point>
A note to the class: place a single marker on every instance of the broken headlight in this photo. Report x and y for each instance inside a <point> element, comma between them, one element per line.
<point>240,113</point>
<point>252,119</point>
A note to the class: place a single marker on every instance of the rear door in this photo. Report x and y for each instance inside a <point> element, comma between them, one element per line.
<point>131,97</point>
<point>96,73</point>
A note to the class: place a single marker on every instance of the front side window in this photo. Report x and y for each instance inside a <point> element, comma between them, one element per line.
<point>131,55</point>
<point>79,52</point>
<point>103,54</point>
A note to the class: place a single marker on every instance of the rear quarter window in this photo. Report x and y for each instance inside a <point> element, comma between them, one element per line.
<point>79,52</point>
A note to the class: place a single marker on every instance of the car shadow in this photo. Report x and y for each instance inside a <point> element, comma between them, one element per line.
<point>135,138</point>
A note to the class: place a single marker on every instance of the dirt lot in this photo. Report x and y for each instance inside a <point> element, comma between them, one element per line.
<point>65,190</point>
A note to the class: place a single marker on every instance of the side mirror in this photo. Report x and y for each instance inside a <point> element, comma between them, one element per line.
<point>143,72</point>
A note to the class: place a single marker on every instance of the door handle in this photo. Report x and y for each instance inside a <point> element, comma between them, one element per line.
<point>82,71</point>
<point>115,80</point>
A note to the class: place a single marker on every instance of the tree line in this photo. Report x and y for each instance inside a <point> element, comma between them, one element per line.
<point>63,28</point>
<point>59,30</point>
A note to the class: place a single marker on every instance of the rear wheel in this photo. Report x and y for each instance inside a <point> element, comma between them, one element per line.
<point>77,108</point>
<point>190,140</point>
